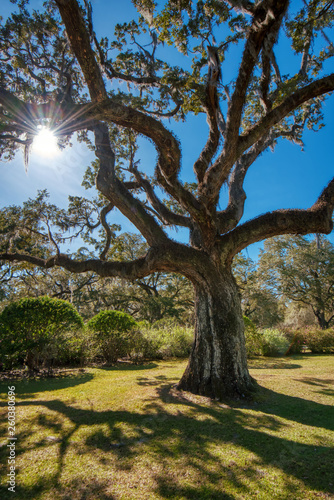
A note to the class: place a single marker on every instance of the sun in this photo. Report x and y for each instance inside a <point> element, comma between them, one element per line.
<point>45,143</point>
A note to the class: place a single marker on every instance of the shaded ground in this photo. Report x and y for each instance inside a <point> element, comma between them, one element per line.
<point>126,433</point>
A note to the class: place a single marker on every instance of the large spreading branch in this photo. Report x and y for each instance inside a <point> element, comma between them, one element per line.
<point>267,57</point>
<point>315,89</point>
<point>169,257</point>
<point>168,148</point>
<point>211,106</point>
<point>80,42</point>
<point>105,108</point>
<point>105,210</point>
<point>115,191</point>
<point>316,219</point>
<point>166,215</point>
<point>230,217</point>
<point>267,18</point>
<point>127,270</point>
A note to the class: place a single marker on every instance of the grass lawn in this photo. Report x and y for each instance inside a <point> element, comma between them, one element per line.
<point>125,433</point>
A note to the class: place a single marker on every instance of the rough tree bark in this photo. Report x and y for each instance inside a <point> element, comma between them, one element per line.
<point>218,364</point>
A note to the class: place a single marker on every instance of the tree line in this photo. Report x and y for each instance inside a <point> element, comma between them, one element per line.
<point>291,284</point>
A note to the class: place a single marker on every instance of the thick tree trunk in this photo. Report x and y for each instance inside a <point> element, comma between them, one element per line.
<point>320,315</point>
<point>217,365</point>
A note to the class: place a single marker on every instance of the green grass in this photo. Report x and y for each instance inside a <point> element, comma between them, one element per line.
<point>126,433</point>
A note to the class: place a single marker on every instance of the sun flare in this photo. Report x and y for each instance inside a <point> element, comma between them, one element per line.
<point>45,143</point>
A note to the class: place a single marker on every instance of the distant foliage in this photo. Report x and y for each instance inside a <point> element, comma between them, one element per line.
<point>165,339</point>
<point>113,333</point>
<point>259,302</point>
<point>254,341</point>
<point>296,340</point>
<point>302,271</point>
<point>117,335</point>
<point>34,331</point>
<point>274,342</point>
<point>318,341</point>
<point>298,317</point>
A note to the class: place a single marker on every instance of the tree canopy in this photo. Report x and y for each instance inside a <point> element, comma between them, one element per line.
<point>56,72</point>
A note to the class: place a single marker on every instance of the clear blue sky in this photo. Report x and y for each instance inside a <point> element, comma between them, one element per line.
<point>287,178</point>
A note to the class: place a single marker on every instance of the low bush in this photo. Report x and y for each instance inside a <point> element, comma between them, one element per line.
<point>319,341</point>
<point>163,340</point>
<point>296,339</point>
<point>148,344</point>
<point>113,333</point>
<point>253,339</point>
<point>274,342</point>
<point>177,342</point>
<point>78,348</point>
<point>316,340</point>
<point>166,323</point>
<point>33,330</point>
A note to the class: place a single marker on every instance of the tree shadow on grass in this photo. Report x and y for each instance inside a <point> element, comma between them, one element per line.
<point>128,367</point>
<point>25,388</point>
<point>198,435</point>
<point>153,381</point>
<point>272,364</point>
<point>294,409</point>
<point>59,379</point>
<point>76,490</point>
<point>321,384</point>
<point>317,381</point>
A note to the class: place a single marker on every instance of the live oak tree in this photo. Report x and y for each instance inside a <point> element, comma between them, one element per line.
<point>56,71</point>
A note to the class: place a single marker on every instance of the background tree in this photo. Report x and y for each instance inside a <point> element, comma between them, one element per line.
<point>51,59</point>
<point>302,270</point>
<point>259,301</point>
<point>150,298</point>
<point>298,316</point>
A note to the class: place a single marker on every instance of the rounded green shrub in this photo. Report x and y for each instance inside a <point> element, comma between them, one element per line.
<point>112,332</point>
<point>32,330</point>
